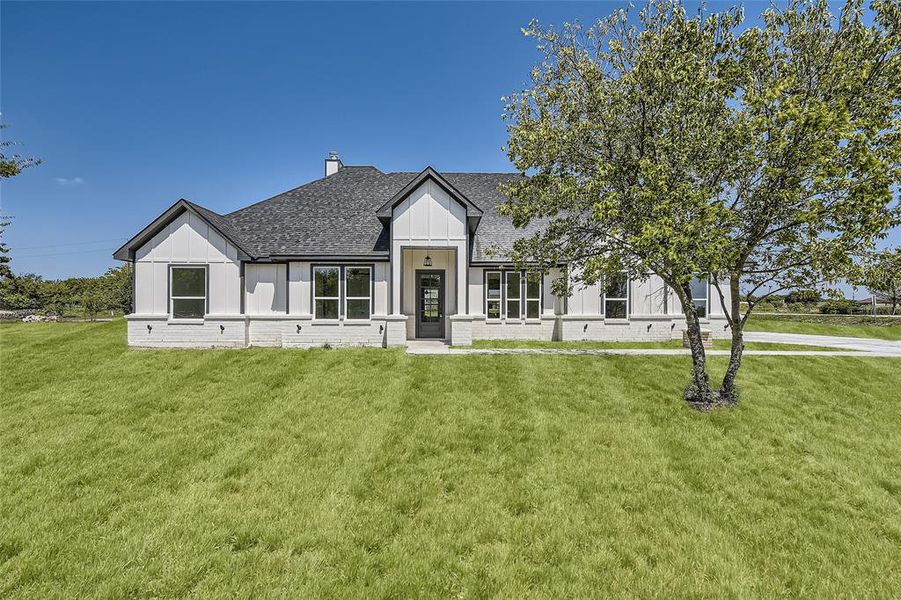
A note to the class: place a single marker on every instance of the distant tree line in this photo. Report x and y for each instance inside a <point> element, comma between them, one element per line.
<point>90,296</point>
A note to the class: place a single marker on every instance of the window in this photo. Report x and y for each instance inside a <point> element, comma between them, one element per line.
<point>187,290</point>
<point>616,296</point>
<point>358,292</point>
<point>493,294</point>
<point>699,292</point>
<point>533,295</point>
<point>325,292</point>
<point>513,294</point>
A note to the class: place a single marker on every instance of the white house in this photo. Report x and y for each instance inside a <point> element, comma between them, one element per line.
<point>372,258</point>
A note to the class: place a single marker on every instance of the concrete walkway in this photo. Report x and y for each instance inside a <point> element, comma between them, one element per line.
<point>859,347</point>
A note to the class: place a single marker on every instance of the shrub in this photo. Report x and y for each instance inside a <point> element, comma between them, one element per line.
<point>837,307</point>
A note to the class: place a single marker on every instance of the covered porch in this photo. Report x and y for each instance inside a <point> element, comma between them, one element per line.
<point>429,288</point>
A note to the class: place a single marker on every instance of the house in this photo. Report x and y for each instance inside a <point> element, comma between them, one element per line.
<point>362,257</point>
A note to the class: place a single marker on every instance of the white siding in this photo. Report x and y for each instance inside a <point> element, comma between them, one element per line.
<point>429,214</point>
<point>187,240</point>
<point>266,288</point>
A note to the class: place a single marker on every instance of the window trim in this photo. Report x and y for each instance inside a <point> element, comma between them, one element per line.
<point>504,300</point>
<point>314,297</point>
<point>342,286</point>
<point>507,300</point>
<point>206,291</point>
<point>627,299</point>
<point>342,291</point>
<point>499,300</point>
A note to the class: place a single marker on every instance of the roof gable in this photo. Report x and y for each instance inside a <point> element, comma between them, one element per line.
<point>214,220</point>
<point>472,210</point>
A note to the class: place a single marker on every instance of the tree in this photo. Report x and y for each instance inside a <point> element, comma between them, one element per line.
<point>118,282</point>
<point>762,160</point>
<point>24,292</point>
<point>802,297</point>
<point>10,166</point>
<point>626,136</point>
<point>817,115</point>
<point>881,274</point>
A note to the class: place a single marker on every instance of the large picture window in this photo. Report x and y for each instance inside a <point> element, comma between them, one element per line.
<point>326,294</point>
<point>493,294</point>
<point>513,294</point>
<point>358,292</point>
<point>700,296</point>
<point>187,292</point>
<point>533,295</point>
<point>616,296</point>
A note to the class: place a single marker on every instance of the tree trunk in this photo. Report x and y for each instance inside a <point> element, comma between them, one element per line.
<point>728,392</point>
<point>698,393</point>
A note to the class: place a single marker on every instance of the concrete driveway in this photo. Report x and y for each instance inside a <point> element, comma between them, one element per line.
<point>883,347</point>
<point>844,346</point>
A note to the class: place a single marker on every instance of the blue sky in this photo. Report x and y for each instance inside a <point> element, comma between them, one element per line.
<point>135,105</point>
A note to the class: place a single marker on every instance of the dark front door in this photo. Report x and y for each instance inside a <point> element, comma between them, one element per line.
<point>430,304</point>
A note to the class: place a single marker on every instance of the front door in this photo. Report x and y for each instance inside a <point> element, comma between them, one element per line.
<point>430,304</point>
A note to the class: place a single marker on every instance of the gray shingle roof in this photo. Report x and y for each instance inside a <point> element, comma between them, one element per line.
<point>336,216</point>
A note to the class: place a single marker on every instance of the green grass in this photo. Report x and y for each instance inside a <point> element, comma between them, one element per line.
<point>371,473</point>
<point>671,345</point>
<point>865,327</point>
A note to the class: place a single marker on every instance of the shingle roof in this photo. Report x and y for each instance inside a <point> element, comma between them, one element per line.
<point>336,216</point>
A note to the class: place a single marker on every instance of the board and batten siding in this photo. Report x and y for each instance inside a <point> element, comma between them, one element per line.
<point>187,240</point>
<point>266,288</point>
<point>429,218</point>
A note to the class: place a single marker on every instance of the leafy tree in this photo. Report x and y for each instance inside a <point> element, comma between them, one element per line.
<point>802,297</point>
<point>816,120</point>
<point>10,166</point>
<point>679,146</point>
<point>881,274</point>
<point>118,282</point>
<point>24,292</point>
<point>626,136</point>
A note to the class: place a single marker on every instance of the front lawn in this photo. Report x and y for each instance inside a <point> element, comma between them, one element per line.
<point>372,473</point>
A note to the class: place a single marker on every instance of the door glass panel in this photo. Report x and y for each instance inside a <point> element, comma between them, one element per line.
<point>430,298</point>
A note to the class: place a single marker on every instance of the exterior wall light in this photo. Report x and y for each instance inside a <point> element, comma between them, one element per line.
<point>427,261</point>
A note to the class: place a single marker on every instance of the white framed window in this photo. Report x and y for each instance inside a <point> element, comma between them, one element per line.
<point>493,294</point>
<point>616,296</point>
<point>326,292</point>
<point>533,295</point>
<point>187,292</point>
<point>513,281</point>
<point>700,296</point>
<point>357,292</point>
